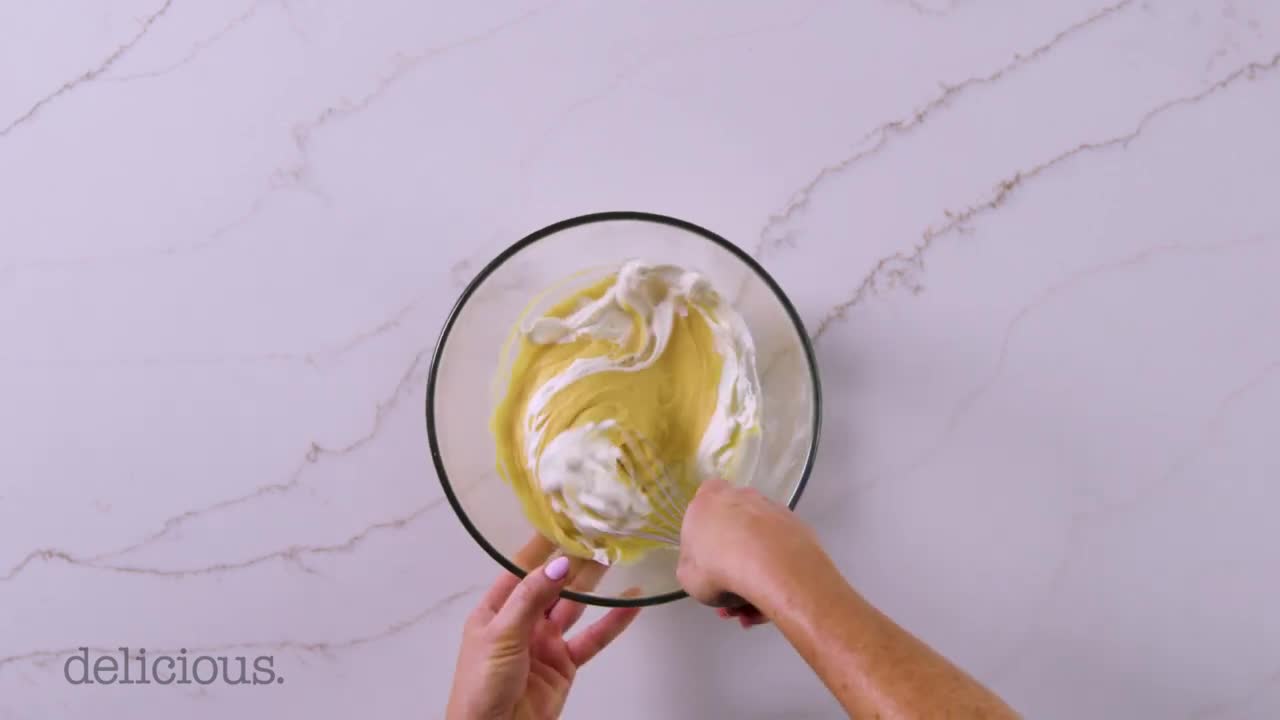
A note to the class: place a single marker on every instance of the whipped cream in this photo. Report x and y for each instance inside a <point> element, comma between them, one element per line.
<point>578,468</point>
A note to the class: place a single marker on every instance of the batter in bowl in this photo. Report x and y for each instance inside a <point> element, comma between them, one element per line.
<point>647,372</point>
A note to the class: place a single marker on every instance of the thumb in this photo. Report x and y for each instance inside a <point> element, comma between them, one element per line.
<point>713,485</point>
<point>531,599</point>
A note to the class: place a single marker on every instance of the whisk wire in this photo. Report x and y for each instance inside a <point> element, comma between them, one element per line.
<point>667,496</point>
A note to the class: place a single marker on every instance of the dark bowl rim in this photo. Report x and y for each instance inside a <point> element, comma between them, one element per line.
<point>609,216</point>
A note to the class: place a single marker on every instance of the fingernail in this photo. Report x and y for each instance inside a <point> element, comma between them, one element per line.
<point>558,568</point>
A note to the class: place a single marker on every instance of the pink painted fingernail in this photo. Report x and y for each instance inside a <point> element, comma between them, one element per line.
<point>558,568</point>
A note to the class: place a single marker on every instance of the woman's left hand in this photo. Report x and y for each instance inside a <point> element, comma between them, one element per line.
<point>515,661</point>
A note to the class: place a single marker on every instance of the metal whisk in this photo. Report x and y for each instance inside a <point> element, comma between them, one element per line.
<point>667,494</point>
<point>670,496</point>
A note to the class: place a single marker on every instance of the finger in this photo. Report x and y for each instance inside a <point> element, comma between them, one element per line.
<point>566,614</point>
<point>728,600</point>
<point>747,615</point>
<point>586,644</point>
<point>584,577</point>
<point>712,485</point>
<point>531,599</point>
<point>534,553</point>
<point>498,593</point>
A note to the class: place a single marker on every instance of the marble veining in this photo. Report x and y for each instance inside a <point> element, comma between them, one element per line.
<point>1035,245</point>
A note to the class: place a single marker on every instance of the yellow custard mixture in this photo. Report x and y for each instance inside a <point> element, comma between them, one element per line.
<point>619,401</point>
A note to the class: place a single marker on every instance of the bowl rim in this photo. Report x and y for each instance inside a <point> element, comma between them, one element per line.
<point>608,216</point>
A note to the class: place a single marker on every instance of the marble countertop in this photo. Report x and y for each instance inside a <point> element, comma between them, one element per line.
<point>1036,245</point>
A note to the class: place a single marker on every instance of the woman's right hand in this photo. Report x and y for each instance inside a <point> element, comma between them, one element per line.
<point>735,540</point>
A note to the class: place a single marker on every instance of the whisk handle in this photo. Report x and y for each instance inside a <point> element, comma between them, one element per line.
<point>728,600</point>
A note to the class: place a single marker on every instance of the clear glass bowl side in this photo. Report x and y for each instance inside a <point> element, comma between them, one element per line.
<point>466,376</point>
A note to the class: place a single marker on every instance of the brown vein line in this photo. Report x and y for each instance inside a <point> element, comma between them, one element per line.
<point>293,553</point>
<point>673,47</point>
<point>893,268</point>
<point>44,554</point>
<point>313,358</point>
<point>313,455</point>
<point>1207,434</point>
<point>1072,281</point>
<point>293,177</point>
<point>1081,523</point>
<point>885,132</point>
<point>196,50</point>
<point>322,647</point>
<point>219,233</point>
<point>91,74</point>
<point>404,66</point>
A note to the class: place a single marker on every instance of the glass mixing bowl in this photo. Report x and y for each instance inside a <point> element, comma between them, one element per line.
<point>463,386</point>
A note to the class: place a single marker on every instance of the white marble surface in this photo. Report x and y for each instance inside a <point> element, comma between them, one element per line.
<point>1036,244</point>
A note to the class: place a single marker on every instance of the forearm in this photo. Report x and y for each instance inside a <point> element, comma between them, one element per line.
<point>874,667</point>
